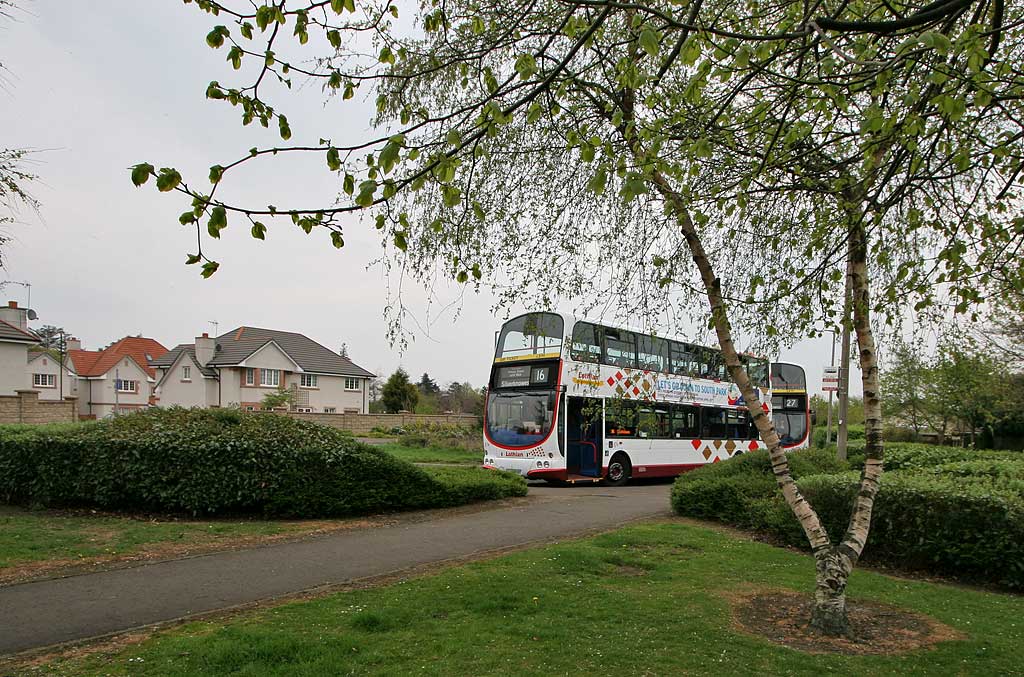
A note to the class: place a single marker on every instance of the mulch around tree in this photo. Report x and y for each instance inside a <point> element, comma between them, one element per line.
<point>783,617</point>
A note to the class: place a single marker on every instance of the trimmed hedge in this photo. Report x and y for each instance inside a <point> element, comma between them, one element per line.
<point>949,510</point>
<point>939,523</point>
<point>224,461</point>
<point>854,431</point>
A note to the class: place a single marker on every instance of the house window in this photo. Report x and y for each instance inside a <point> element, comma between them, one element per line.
<point>126,386</point>
<point>330,410</point>
<point>44,381</point>
<point>308,380</point>
<point>249,407</point>
<point>351,410</point>
<point>186,373</point>
<point>351,384</point>
<point>250,376</point>
<point>270,377</point>
<point>304,410</point>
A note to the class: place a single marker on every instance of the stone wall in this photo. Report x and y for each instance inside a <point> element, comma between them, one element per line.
<point>26,407</point>
<point>364,423</point>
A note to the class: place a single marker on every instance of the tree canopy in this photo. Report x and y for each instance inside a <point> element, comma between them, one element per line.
<point>731,162</point>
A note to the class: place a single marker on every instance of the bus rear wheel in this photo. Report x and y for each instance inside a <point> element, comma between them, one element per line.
<point>619,470</point>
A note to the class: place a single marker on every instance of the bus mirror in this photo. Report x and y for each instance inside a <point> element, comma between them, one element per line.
<point>552,398</point>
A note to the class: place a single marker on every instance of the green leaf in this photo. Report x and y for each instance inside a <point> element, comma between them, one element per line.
<point>215,38</point>
<point>400,240</point>
<point>216,172</point>
<point>463,276</point>
<point>209,268</point>
<point>366,191</point>
<point>598,181</point>
<point>259,231</point>
<point>333,159</point>
<point>218,221</point>
<point>187,218</point>
<point>286,131</point>
<point>141,172</point>
<point>168,179</point>
<point>650,41</point>
<point>193,259</point>
<point>337,240</point>
<point>349,184</point>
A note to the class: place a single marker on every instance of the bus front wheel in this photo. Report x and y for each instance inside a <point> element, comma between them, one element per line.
<point>619,470</point>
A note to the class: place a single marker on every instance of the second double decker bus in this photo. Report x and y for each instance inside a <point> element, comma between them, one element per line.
<point>576,401</point>
<point>791,411</point>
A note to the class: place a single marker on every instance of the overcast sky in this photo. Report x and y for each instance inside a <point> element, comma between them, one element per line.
<point>102,85</point>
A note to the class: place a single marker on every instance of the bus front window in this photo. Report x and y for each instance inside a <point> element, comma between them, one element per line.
<point>518,419</point>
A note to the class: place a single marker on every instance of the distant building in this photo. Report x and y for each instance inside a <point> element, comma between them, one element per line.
<point>15,341</point>
<point>240,367</point>
<point>117,379</point>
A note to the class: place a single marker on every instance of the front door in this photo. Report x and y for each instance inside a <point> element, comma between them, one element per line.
<point>584,433</point>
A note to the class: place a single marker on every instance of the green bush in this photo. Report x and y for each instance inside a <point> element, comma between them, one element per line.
<point>853,432</point>
<point>939,523</point>
<point>732,491</point>
<point>214,462</point>
<point>945,509</point>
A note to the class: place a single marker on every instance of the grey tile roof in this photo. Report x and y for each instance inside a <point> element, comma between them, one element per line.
<point>10,332</point>
<point>238,344</point>
<point>169,358</point>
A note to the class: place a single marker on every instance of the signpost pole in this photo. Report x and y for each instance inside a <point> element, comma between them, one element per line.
<point>824,385</point>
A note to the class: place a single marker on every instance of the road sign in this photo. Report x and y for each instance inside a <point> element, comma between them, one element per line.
<point>830,379</point>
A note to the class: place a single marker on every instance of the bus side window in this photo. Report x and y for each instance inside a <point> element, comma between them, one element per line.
<point>685,422</point>
<point>619,348</point>
<point>647,423</point>
<point>586,342</point>
<point>620,418</point>
<point>682,358</point>
<point>752,432</point>
<point>652,353</point>
<point>713,423</point>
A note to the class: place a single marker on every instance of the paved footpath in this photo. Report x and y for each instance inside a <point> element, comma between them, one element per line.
<point>34,615</point>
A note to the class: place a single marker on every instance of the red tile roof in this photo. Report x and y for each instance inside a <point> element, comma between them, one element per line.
<point>99,362</point>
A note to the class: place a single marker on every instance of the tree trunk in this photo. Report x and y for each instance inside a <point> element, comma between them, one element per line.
<point>829,612</point>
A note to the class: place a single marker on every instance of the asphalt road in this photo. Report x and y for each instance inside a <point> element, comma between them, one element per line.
<point>43,613</point>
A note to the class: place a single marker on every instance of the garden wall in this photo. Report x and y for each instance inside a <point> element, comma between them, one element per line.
<point>25,407</point>
<point>364,423</point>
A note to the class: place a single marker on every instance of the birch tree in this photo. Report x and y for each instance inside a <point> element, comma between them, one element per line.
<point>749,157</point>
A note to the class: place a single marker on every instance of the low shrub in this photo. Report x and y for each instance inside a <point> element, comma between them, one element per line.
<point>911,456</point>
<point>731,491</point>
<point>949,510</point>
<point>212,462</point>
<point>934,522</point>
<point>853,432</point>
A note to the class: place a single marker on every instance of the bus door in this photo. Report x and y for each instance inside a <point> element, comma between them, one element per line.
<point>585,436</point>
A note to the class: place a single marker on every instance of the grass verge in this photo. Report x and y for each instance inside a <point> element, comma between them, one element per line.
<point>650,599</point>
<point>433,454</point>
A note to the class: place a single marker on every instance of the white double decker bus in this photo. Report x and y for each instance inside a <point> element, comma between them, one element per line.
<point>570,400</point>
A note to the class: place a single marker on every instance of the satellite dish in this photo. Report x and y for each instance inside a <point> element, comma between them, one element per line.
<point>32,315</point>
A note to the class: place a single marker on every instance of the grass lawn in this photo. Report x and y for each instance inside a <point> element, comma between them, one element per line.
<point>646,600</point>
<point>30,538</point>
<point>433,454</point>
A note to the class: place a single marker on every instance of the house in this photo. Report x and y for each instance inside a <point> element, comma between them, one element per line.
<point>15,340</point>
<point>46,376</point>
<point>240,367</point>
<point>117,379</point>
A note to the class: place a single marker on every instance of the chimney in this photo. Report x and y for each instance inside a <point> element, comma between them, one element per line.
<point>205,347</point>
<point>14,315</point>
<point>74,343</point>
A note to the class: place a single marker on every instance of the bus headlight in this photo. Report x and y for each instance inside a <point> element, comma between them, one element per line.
<point>546,464</point>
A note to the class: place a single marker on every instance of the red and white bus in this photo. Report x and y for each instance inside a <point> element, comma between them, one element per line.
<point>791,407</point>
<point>571,400</point>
